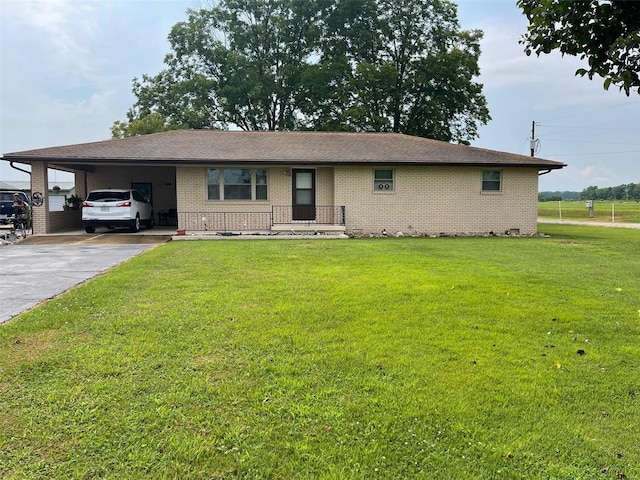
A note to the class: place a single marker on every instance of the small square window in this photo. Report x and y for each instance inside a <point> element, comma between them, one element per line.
<point>491,181</point>
<point>383,180</point>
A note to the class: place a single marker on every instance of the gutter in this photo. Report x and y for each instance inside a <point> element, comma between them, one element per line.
<point>172,162</point>
<point>18,168</point>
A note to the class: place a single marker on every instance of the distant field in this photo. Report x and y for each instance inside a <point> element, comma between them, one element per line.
<point>623,212</point>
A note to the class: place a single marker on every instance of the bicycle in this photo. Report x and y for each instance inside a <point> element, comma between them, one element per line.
<point>19,225</point>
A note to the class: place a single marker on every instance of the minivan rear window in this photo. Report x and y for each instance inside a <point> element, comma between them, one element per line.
<point>108,196</point>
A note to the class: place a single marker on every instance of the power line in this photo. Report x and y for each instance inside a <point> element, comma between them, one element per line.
<point>583,128</point>
<point>598,111</point>
<point>559,140</point>
<point>588,154</point>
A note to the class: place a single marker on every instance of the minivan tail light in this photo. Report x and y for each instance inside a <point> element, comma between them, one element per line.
<point>123,204</point>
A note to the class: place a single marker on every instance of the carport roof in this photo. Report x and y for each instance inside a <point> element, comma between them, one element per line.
<point>183,147</point>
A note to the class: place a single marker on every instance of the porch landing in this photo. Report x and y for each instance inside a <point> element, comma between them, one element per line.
<point>307,227</point>
<point>277,231</point>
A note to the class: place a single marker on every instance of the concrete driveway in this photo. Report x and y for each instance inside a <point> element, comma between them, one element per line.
<point>41,267</point>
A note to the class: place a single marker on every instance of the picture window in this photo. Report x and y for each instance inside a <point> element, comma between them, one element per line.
<point>237,184</point>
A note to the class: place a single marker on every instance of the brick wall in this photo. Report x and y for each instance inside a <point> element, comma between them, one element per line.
<point>39,183</point>
<point>434,200</point>
<point>192,197</point>
<point>425,200</point>
<point>65,221</point>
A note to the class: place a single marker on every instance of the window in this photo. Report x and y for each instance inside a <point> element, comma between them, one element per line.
<point>491,181</point>
<point>144,188</point>
<point>261,184</point>
<point>236,184</point>
<point>213,184</point>
<point>383,180</point>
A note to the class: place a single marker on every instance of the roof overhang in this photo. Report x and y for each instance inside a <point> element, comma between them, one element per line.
<point>208,147</point>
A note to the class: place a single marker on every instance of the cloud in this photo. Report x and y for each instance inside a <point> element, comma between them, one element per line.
<point>600,174</point>
<point>577,178</point>
<point>60,34</point>
<point>550,77</point>
<point>51,120</point>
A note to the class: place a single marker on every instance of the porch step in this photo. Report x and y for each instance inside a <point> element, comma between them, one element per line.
<point>306,227</point>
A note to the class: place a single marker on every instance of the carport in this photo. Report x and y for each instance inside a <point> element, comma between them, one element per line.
<point>155,179</point>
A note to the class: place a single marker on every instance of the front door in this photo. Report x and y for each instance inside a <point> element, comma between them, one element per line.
<point>304,195</point>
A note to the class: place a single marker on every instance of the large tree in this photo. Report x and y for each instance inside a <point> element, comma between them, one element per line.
<point>604,32</point>
<point>239,62</point>
<point>411,68</point>
<point>403,66</point>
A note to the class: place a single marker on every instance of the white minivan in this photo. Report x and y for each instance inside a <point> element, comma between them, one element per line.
<point>113,208</point>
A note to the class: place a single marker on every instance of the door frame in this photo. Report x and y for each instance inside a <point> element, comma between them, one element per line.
<point>305,212</point>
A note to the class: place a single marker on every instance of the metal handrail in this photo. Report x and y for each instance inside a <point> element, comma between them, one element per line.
<point>321,215</point>
<point>258,221</point>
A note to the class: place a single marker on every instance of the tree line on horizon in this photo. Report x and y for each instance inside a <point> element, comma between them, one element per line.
<point>626,191</point>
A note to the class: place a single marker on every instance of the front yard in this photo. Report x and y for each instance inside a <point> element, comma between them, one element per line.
<point>371,358</point>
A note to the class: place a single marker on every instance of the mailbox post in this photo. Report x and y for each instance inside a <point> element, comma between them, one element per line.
<point>589,205</point>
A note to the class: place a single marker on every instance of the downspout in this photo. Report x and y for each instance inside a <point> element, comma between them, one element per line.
<point>18,168</point>
<point>544,173</point>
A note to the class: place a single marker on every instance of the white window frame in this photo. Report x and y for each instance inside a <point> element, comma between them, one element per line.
<point>383,185</point>
<point>500,181</point>
<point>254,184</point>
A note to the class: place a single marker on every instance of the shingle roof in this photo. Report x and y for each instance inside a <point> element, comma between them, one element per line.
<point>300,148</point>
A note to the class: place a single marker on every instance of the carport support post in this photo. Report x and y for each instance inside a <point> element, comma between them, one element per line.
<point>40,183</point>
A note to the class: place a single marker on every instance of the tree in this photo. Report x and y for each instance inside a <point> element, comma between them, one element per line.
<point>402,66</point>
<point>152,123</point>
<point>605,33</point>
<point>630,191</point>
<point>239,62</point>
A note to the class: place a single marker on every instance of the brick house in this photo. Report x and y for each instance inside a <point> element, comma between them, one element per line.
<point>228,181</point>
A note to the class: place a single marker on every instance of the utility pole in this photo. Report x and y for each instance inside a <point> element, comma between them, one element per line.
<point>532,141</point>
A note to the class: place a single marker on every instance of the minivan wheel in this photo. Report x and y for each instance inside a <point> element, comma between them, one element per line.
<point>135,224</point>
<point>90,229</point>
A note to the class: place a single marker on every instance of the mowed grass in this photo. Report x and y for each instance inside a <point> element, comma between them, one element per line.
<point>603,211</point>
<point>347,359</point>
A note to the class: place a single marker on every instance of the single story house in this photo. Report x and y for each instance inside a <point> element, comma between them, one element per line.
<point>362,183</point>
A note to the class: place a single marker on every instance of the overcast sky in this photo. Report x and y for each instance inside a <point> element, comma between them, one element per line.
<point>66,68</point>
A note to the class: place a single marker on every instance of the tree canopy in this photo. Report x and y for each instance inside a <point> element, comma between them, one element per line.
<point>605,33</point>
<point>358,65</point>
<point>629,191</point>
<point>151,123</point>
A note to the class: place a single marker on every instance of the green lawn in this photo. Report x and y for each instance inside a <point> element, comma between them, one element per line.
<point>443,358</point>
<point>603,211</point>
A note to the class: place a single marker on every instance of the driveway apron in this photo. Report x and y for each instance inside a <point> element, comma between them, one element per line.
<point>34,273</point>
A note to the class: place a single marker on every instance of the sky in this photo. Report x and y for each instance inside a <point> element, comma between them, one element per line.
<point>66,71</point>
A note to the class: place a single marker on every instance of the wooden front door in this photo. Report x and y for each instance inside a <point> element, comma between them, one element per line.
<point>304,195</point>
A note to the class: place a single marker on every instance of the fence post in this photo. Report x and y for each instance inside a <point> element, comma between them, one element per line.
<point>560,208</point>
